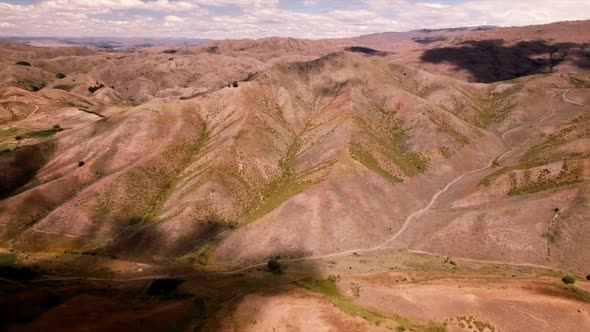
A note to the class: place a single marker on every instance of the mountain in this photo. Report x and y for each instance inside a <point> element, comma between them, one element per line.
<point>419,181</point>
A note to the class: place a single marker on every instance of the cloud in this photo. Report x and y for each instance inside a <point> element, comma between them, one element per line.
<point>259,18</point>
<point>434,5</point>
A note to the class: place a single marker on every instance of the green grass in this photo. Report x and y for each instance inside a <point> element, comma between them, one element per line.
<point>365,158</point>
<point>181,156</point>
<point>41,133</point>
<point>389,141</point>
<point>8,260</point>
<point>10,132</point>
<point>330,291</point>
<point>284,186</point>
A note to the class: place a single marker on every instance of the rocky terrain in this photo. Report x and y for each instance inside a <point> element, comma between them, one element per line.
<point>435,180</point>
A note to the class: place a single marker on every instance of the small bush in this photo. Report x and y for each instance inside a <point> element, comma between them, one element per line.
<point>93,89</point>
<point>588,277</point>
<point>56,126</point>
<point>274,266</point>
<point>18,138</point>
<point>81,163</point>
<point>568,280</point>
<point>170,51</point>
<point>235,84</point>
<point>60,76</point>
<point>36,87</point>
<point>23,63</point>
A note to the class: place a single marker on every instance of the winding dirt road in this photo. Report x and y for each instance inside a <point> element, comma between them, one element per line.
<point>406,223</point>
<point>32,113</point>
<point>433,200</point>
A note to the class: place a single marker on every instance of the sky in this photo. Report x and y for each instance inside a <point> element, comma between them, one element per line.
<point>230,19</point>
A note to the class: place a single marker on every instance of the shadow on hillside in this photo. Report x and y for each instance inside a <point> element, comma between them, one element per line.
<point>493,60</point>
<point>429,40</point>
<point>185,300</point>
<point>19,166</point>
<point>366,51</point>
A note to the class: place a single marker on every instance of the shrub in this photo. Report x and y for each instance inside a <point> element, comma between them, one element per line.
<point>93,89</point>
<point>274,266</point>
<point>56,126</point>
<point>18,138</point>
<point>35,87</point>
<point>60,75</point>
<point>81,163</point>
<point>568,280</point>
<point>588,277</point>
<point>23,63</point>
<point>235,84</point>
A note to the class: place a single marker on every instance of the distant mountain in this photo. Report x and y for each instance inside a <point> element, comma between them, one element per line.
<point>112,43</point>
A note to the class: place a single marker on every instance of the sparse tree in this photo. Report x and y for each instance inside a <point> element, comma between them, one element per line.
<point>569,280</point>
<point>235,84</point>
<point>23,63</point>
<point>274,266</point>
<point>60,75</point>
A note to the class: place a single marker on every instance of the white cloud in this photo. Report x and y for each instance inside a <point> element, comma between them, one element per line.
<point>434,5</point>
<point>259,18</point>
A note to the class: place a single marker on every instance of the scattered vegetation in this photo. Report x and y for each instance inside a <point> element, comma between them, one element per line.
<point>382,144</point>
<point>330,291</point>
<point>30,85</point>
<point>41,133</point>
<point>588,277</point>
<point>133,101</point>
<point>36,87</point>
<point>23,63</point>
<point>235,84</point>
<point>446,152</point>
<point>93,89</point>
<point>569,280</point>
<point>8,132</point>
<point>470,323</point>
<point>367,159</point>
<point>545,152</point>
<point>579,83</point>
<point>170,51</point>
<point>7,260</point>
<point>81,163</point>
<point>569,174</point>
<point>287,184</point>
<point>459,140</point>
<point>485,107</point>
<point>60,75</point>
